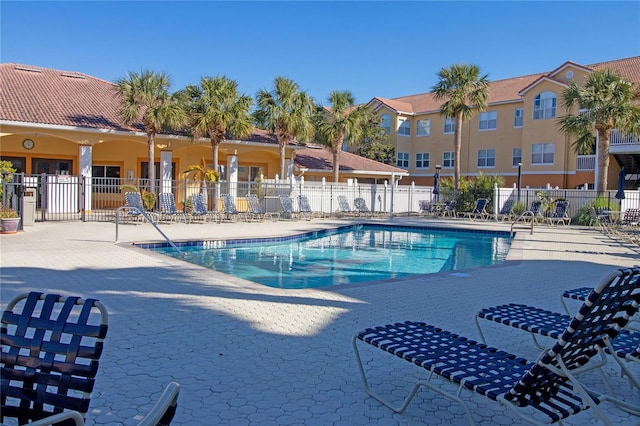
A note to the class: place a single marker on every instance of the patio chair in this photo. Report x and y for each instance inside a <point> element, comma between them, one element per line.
<point>546,390</point>
<point>505,213</point>
<point>161,414</point>
<point>200,211</point>
<point>135,208</point>
<point>168,210</point>
<point>425,207</point>
<point>360,207</point>
<point>304,207</point>
<point>560,214</point>
<point>599,221</point>
<point>51,347</point>
<point>479,210</point>
<point>287,208</point>
<point>255,209</point>
<point>344,209</point>
<point>448,208</point>
<point>230,210</point>
<point>536,321</point>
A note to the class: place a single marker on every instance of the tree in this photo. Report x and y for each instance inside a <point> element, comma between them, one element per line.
<point>200,173</point>
<point>606,102</point>
<point>465,91</point>
<point>145,96</point>
<point>214,109</point>
<point>287,112</point>
<point>375,142</point>
<point>341,121</point>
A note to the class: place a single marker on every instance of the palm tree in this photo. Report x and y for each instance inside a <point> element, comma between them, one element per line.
<point>287,112</point>
<point>201,173</point>
<point>609,104</point>
<point>215,108</point>
<point>341,120</point>
<point>465,91</point>
<point>145,96</point>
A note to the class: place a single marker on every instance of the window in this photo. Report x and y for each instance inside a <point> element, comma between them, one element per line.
<point>105,178</point>
<point>542,153</point>
<point>402,160</point>
<point>448,159</point>
<point>404,127</point>
<point>486,158</point>
<point>449,125</point>
<point>422,160</point>
<point>144,170</point>
<point>518,115</point>
<point>423,128</point>
<point>488,120</point>
<point>544,106</point>
<point>517,157</point>
<point>385,122</point>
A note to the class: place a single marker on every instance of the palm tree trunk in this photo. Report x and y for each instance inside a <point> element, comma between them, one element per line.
<point>457,143</point>
<point>604,136</point>
<point>336,163</point>
<point>151,171</point>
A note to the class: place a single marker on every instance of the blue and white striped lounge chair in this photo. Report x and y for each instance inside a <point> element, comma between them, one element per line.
<point>200,211</point>
<point>168,210</point>
<point>135,207</point>
<point>230,211</point>
<point>344,209</point>
<point>287,208</point>
<point>255,209</point>
<point>479,210</point>
<point>560,214</point>
<point>505,213</point>
<point>304,207</point>
<point>546,390</point>
<point>360,207</point>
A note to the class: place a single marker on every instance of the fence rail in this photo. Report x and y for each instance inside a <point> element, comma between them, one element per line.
<point>41,198</point>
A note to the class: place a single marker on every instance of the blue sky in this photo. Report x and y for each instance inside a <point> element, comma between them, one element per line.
<point>371,48</point>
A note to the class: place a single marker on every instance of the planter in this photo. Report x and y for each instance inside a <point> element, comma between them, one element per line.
<point>9,225</point>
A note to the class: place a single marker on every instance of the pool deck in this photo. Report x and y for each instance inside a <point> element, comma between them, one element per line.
<point>245,354</point>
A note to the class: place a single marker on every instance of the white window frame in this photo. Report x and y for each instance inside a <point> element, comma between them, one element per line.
<point>486,158</point>
<point>516,157</point>
<point>404,126</point>
<point>402,160</point>
<point>448,159</point>
<point>449,125</point>
<point>518,117</point>
<point>423,127</point>
<point>544,106</point>
<point>488,120</point>
<point>423,160</point>
<point>543,154</point>
<point>385,123</point>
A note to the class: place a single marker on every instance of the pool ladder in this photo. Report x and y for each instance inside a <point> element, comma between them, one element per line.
<point>522,215</point>
<point>146,216</point>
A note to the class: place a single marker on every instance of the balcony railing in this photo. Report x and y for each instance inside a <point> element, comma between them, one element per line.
<point>586,162</point>
<point>618,138</point>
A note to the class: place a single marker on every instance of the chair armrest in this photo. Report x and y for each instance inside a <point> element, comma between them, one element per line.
<point>60,417</point>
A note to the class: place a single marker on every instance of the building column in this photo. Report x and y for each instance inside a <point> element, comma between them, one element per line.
<point>232,175</point>
<point>166,184</point>
<point>85,156</point>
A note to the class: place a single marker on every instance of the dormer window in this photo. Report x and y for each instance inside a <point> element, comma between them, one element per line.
<point>544,106</point>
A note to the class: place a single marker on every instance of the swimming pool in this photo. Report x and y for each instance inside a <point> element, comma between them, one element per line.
<point>345,255</point>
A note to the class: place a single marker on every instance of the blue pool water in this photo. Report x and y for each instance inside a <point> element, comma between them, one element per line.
<point>345,255</point>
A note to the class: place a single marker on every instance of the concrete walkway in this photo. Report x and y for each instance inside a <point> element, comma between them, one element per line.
<point>246,354</point>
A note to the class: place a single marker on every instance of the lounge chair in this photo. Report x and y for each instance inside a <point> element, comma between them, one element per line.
<point>479,210</point>
<point>161,414</point>
<point>199,210</point>
<point>505,213</point>
<point>51,347</point>
<point>360,207</point>
<point>230,211</point>
<point>448,208</point>
<point>255,209</point>
<point>560,214</point>
<point>581,294</point>
<point>344,209</point>
<point>168,210</point>
<point>287,208</point>
<point>135,208</point>
<point>536,321</point>
<point>304,207</point>
<point>545,390</point>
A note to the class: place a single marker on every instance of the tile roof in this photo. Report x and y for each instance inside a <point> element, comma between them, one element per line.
<point>38,95</point>
<point>320,158</point>
<point>509,89</point>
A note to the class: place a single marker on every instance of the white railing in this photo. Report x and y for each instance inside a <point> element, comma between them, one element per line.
<point>618,138</point>
<point>586,162</point>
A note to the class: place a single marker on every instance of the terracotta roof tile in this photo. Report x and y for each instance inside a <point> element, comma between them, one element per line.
<point>320,158</point>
